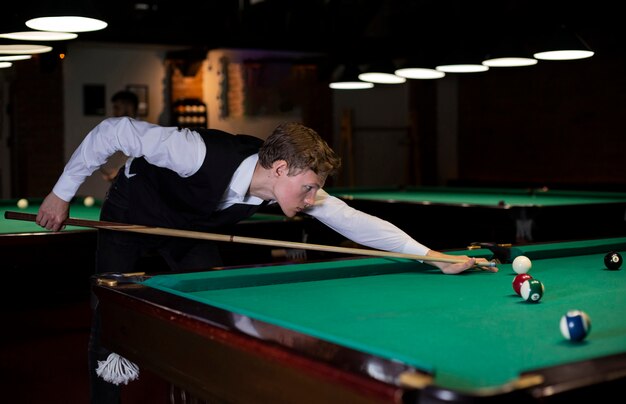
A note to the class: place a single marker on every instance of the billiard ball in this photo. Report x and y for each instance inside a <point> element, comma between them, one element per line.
<point>89,201</point>
<point>518,280</point>
<point>575,325</point>
<point>22,203</point>
<point>613,260</point>
<point>531,290</point>
<point>522,264</point>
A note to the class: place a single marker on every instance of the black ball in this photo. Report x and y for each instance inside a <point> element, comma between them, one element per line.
<point>613,260</point>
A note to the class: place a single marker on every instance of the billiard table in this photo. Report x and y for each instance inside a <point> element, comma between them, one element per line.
<point>374,330</point>
<point>27,248</point>
<point>452,217</point>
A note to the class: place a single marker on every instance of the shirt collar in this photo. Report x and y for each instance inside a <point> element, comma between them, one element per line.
<point>241,180</point>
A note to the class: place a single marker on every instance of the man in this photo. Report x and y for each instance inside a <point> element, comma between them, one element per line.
<point>201,180</point>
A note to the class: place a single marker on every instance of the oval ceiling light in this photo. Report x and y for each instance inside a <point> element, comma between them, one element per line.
<point>345,77</point>
<point>381,72</point>
<point>39,36</point>
<point>419,73</point>
<point>509,50</point>
<point>510,62</point>
<point>66,24</point>
<point>465,57</point>
<point>350,85</point>
<point>564,44</point>
<point>564,54</point>
<point>463,68</point>
<point>381,78</point>
<point>14,58</point>
<point>22,49</point>
<point>4,65</point>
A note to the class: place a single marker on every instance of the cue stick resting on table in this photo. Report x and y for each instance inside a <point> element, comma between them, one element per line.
<point>163,231</point>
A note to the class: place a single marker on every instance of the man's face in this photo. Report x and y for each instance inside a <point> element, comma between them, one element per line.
<point>296,192</point>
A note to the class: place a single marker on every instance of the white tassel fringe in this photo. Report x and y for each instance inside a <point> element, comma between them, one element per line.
<point>117,369</point>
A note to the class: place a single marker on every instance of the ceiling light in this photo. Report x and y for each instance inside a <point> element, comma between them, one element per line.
<point>381,72</point>
<point>462,68</point>
<point>39,36</point>
<point>4,65</point>
<point>419,73</point>
<point>463,58</point>
<point>382,78</point>
<point>564,45</point>
<point>350,85</point>
<point>23,49</point>
<point>14,58</point>
<point>418,65</point>
<point>66,24</point>
<point>509,62</point>
<point>346,77</point>
<point>564,55</point>
<point>508,50</point>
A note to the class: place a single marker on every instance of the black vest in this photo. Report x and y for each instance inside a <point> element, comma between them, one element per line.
<point>159,197</point>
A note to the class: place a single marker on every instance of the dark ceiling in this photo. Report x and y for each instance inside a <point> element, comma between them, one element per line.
<point>338,28</point>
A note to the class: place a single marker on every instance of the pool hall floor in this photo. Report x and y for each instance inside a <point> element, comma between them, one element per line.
<point>43,355</point>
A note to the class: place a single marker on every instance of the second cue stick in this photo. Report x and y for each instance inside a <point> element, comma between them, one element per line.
<point>163,231</point>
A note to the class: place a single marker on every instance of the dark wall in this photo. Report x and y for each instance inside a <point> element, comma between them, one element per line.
<point>36,133</point>
<point>556,123</point>
<point>559,123</point>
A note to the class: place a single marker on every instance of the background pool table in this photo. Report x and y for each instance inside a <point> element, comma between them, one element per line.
<point>370,330</point>
<point>452,217</point>
<point>29,250</point>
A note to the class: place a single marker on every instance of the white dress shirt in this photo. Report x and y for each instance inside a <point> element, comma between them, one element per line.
<point>183,151</point>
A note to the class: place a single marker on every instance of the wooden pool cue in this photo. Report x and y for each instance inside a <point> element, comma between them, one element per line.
<point>162,231</point>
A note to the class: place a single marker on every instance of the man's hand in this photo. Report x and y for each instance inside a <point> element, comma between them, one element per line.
<point>455,268</point>
<point>53,212</point>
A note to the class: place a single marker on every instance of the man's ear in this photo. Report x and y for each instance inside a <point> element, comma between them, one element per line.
<point>280,167</point>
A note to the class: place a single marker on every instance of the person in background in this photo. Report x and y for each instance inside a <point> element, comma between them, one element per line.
<point>124,103</point>
<point>201,180</point>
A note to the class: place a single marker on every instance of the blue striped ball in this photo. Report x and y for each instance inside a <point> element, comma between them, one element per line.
<point>575,325</point>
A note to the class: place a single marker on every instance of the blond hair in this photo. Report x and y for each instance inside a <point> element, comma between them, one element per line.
<point>302,148</point>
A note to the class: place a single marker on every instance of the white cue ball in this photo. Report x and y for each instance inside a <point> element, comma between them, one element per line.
<point>22,203</point>
<point>522,264</point>
<point>89,201</point>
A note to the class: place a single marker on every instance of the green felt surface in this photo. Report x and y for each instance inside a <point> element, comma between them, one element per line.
<point>483,196</point>
<point>471,329</point>
<point>77,210</point>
